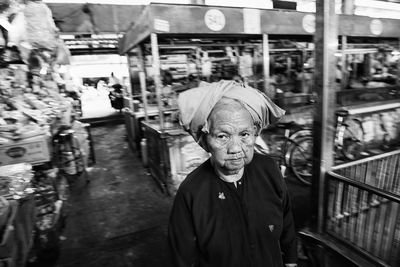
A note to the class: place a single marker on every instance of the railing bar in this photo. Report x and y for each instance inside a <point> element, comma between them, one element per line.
<point>381,173</point>
<point>360,161</point>
<point>362,217</point>
<point>377,173</point>
<point>344,223</point>
<point>394,242</point>
<point>370,170</point>
<point>370,224</point>
<point>396,175</point>
<point>352,173</point>
<point>364,170</point>
<point>392,216</point>
<point>392,170</point>
<point>358,172</point>
<point>381,223</point>
<point>338,205</point>
<point>369,188</point>
<point>387,174</point>
<point>331,204</point>
<point>348,211</point>
<point>353,213</point>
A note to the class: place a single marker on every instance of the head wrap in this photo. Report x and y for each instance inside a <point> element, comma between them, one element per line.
<point>196,104</point>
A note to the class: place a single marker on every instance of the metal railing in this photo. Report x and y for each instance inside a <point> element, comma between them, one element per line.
<point>362,207</point>
<point>381,171</point>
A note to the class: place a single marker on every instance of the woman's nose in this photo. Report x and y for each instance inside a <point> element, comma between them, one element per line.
<point>234,146</point>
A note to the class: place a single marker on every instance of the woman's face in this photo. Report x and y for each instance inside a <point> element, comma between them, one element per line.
<point>231,138</point>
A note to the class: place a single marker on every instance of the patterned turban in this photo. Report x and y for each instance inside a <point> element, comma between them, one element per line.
<point>195,105</point>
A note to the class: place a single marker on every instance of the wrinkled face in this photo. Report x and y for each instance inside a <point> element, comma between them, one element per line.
<point>231,137</point>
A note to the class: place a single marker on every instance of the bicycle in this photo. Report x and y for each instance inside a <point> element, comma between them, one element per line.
<point>292,149</point>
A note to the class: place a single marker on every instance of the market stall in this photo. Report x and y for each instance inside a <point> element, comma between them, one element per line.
<point>42,145</point>
<point>169,55</point>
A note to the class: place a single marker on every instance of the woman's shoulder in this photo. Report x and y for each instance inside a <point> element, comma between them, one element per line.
<point>199,177</point>
<point>263,160</point>
<point>265,167</point>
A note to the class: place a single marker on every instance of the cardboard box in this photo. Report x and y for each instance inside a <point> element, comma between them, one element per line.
<point>32,150</point>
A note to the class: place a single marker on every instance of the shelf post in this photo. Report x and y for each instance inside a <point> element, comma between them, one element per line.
<point>142,80</point>
<point>268,90</point>
<point>157,79</point>
<point>345,77</point>
<point>326,44</point>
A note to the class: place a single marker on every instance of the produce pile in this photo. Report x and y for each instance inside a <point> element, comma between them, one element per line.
<point>32,113</point>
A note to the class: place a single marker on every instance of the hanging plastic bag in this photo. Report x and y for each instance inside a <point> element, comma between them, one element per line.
<point>17,32</point>
<point>63,54</point>
<point>40,26</point>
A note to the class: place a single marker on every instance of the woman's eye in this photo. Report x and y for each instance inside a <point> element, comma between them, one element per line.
<point>245,134</point>
<point>222,137</point>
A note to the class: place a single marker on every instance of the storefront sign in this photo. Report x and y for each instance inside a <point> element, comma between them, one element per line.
<point>251,20</point>
<point>309,23</point>
<point>214,19</point>
<point>376,27</point>
<point>161,25</point>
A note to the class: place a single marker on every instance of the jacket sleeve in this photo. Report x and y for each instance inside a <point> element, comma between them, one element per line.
<point>181,234</point>
<point>288,238</point>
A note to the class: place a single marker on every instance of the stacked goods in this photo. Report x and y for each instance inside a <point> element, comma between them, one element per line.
<point>16,180</point>
<point>31,106</point>
<point>28,118</point>
<point>33,109</point>
<point>49,209</point>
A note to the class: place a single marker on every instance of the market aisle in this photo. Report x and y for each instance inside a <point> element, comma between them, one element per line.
<point>119,218</point>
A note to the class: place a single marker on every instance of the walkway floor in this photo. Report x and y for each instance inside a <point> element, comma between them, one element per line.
<point>120,217</point>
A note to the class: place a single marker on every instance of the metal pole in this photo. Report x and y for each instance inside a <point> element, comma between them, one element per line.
<point>142,80</point>
<point>344,81</point>
<point>326,44</point>
<point>157,78</point>
<point>348,7</point>
<point>398,64</point>
<point>267,88</point>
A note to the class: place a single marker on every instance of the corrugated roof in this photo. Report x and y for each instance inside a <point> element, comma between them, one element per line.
<point>98,18</point>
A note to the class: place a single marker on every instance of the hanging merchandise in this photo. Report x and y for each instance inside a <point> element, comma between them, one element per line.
<point>63,54</point>
<point>246,64</point>
<point>206,65</point>
<point>40,27</point>
<point>368,126</point>
<point>17,30</point>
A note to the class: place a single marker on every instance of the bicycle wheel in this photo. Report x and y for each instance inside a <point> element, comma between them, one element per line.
<point>353,137</point>
<point>273,144</point>
<point>300,160</point>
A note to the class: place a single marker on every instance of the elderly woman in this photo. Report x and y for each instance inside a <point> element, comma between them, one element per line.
<point>234,209</point>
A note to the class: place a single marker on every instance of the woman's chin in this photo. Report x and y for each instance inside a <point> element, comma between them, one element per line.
<point>233,168</point>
